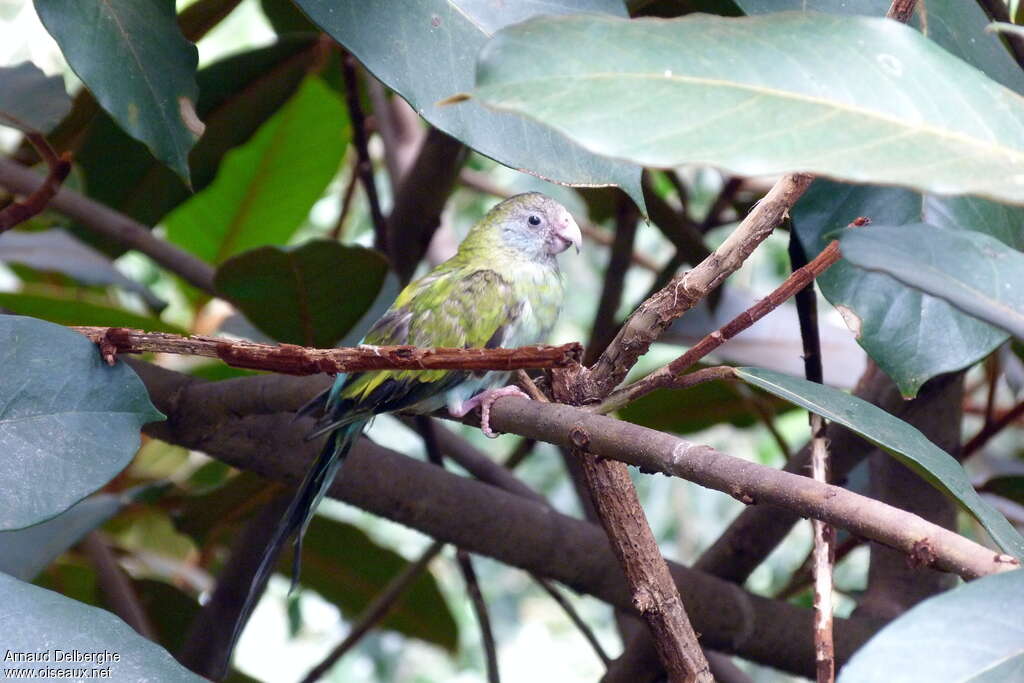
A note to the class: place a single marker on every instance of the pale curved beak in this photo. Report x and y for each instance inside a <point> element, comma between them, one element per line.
<point>568,231</point>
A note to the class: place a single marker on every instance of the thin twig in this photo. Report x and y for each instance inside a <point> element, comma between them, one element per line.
<point>346,205</point>
<point>480,607</point>
<point>824,534</point>
<point>666,375</point>
<point>603,328</point>
<point>109,223</point>
<point>300,360</point>
<point>527,384</point>
<point>997,11</point>
<point>991,429</point>
<point>375,612</point>
<point>364,164</point>
<point>117,587</point>
<point>35,201</point>
<point>574,616</point>
<point>804,575</point>
<point>520,453</point>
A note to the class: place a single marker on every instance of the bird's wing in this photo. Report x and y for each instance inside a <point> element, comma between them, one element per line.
<point>461,308</point>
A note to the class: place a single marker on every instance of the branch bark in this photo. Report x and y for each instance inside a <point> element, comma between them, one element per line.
<point>300,360</point>
<point>105,221</point>
<point>473,515</point>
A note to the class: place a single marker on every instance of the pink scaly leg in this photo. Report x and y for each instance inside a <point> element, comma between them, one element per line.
<point>484,400</point>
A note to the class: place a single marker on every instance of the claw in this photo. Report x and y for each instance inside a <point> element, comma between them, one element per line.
<point>487,399</point>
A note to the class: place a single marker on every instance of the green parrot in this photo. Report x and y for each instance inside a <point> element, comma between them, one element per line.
<point>502,288</point>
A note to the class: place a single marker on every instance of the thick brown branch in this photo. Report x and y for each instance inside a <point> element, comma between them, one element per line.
<point>748,482</point>
<point>109,223</point>
<point>669,375</point>
<point>473,515</point>
<point>300,360</point>
<point>683,292</point>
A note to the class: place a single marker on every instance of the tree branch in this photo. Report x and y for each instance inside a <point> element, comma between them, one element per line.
<point>300,360</point>
<point>364,164</point>
<point>116,586</point>
<point>114,225</point>
<point>479,517</point>
<point>35,201</point>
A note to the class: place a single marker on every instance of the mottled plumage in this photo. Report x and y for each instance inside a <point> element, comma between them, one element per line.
<point>502,289</point>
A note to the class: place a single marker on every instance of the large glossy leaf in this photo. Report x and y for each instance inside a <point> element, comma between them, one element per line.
<point>897,325</point>
<point>132,56</point>
<point>236,96</point>
<point>958,26</point>
<point>348,569</point>
<point>977,274</point>
<point>311,295</point>
<point>30,100</point>
<point>50,623</point>
<point>898,438</point>
<point>57,251</point>
<point>849,97</point>
<point>26,552</point>
<point>68,308</point>
<point>69,421</point>
<point>266,188</point>
<point>971,634</point>
<point>425,51</point>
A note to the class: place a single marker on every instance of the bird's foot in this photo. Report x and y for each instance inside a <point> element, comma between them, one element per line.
<point>485,400</point>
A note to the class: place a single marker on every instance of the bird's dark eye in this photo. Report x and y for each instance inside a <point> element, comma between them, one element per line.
<point>533,220</point>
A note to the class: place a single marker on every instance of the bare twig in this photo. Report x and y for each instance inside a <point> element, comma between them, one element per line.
<point>722,201</point>
<point>991,429</point>
<point>400,131</point>
<point>109,223</point>
<point>116,586</point>
<point>36,200</point>
<point>480,608</point>
<point>666,375</point>
<point>364,165</point>
<point>824,535</point>
<point>804,575</point>
<point>574,616</point>
<point>376,611</point>
<point>300,360</point>
<point>675,226</point>
<point>997,11</point>
<point>346,205</point>
<point>683,292</point>
<point>603,329</point>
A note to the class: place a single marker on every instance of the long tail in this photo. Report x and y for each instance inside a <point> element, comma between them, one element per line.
<point>296,518</point>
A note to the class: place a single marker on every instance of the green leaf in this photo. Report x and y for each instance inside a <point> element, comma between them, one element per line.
<point>897,325</point>
<point>132,57</point>
<point>26,552</point>
<point>969,634</point>
<point>903,441</point>
<point>1010,487</point>
<point>694,409</point>
<point>957,26</point>
<point>428,55</point>
<point>348,569</point>
<point>170,611</point>
<point>69,423</point>
<point>266,188</point>
<point>30,100</point>
<point>236,96</point>
<point>311,295</point>
<point>50,623</point>
<point>849,97</point>
<point>976,273</point>
<point>67,308</point>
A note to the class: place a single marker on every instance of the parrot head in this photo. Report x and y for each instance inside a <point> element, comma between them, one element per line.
<point>532,225</point>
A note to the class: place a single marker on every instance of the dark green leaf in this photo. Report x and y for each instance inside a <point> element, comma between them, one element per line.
<point>236,95</point>
<point>69,424</point>
<point>311,295</point>
<point>894,323</point>
<point>850,97</point>
<point>286,18</point>
<point>1010,487</point>
<point>347,568</point>
<point>903,441</point>
<point>694,409</point>
<point>66,308</point>
<point>49,622</point>
<point>977,274</point>
<point>26,552</point>
<point>957,26</point>
<point>266,188</point>
<point>133,58</point>
<point>970,634</point>
<point>170,611</point>
<point>30,100</point>
<point>425,52</point>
